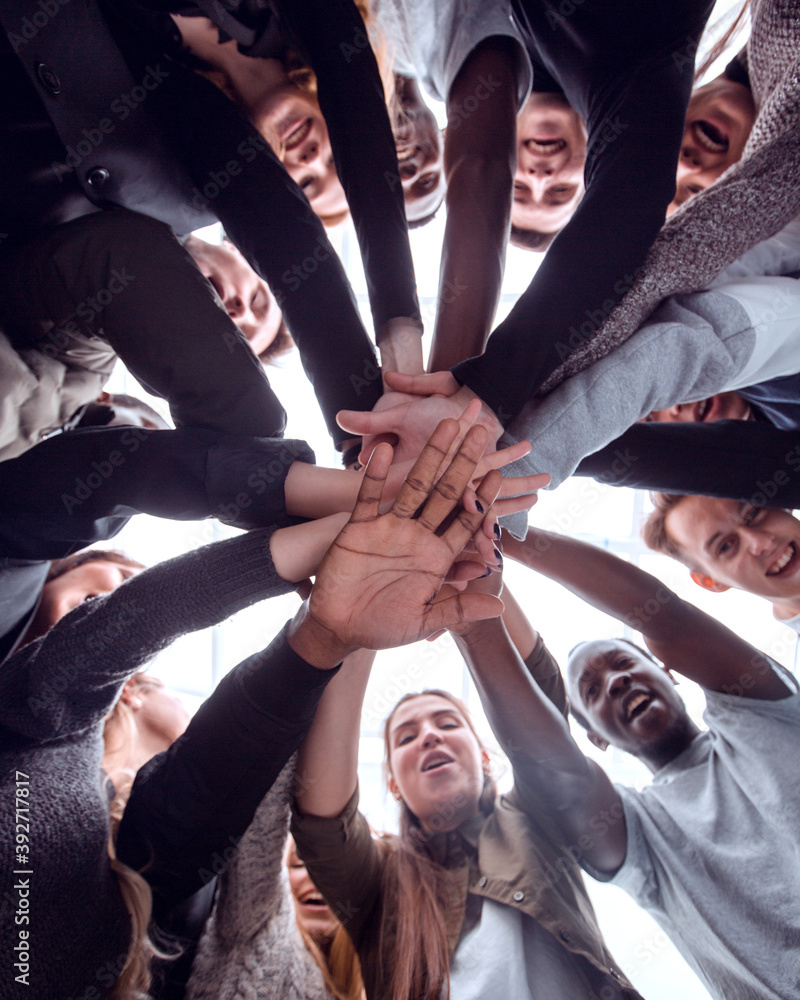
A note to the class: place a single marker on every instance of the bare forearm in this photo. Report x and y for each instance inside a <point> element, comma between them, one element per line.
<point>297,550</point>
<point>473,259</point>
<point>314,491</point>
<point>532,732</point>
<point>327,768</point>
<point>400,346</point>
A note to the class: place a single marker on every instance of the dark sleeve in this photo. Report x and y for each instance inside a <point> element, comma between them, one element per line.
<point>67,680</point>
<point>191,804</point>
<point>634,134</point>
<point>736,459</point>
<point>351,99</point>
<point>82,486</point>
<point>543,668</point>
<point>266,215</point>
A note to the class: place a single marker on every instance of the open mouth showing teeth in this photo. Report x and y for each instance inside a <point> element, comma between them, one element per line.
<point>405,153</point>
<point>783,562</point>
<point>545,147</point>
<point>710,137</point>
<point>434,764</point>
<point>635,705</point>
<point>297,135</point>
<point>702,409</point>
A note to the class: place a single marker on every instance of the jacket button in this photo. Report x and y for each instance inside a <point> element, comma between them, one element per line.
<point>48,79</point>
<point>615,973</point>
<point>518,896</point>
<point>483,881</point>
<point>564,937</point>
<point>97,177</point>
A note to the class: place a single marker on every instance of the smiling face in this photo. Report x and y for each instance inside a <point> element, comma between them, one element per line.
<point>722,406</point>
<point>420,160</point>
<point>718,122</point>
<point>551,151</point>
<point>629,701</point>
<point>294,118</point>
<point>313,912</point>
<point>246,297</point>
<point>734,544</point>
<point>435,761</point>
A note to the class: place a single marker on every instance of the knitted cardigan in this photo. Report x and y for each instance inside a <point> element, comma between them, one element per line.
<point>754,199</point>
<point>251,948</point>
<point>54,695</point>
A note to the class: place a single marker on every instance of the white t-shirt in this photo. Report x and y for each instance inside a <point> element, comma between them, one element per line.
<point>431,39</point>
<point>714,847</point>
<point>509,956</point>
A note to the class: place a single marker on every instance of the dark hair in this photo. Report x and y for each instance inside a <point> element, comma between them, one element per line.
<point>531,239</point>
<point>58,567</point>
<point>281,345</point>
<point>579,717</point>
<point>723,42</point>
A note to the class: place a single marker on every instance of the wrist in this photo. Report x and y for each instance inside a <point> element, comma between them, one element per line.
<point>473,634</point>
<point>400,346</point>
<point>314,642</point>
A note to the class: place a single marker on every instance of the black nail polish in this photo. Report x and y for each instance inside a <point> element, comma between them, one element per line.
<point>498,531</point>
<point>499,556</point>
<point>487,573</point>
<point>479,505</point>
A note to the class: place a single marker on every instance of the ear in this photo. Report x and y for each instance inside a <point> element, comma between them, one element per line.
<point>394,789</point>
<point>598,741</point>
<point>130,695</point>
<point>708,583</point>
<point>486,761</point>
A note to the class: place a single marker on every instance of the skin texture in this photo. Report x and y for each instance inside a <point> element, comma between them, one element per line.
<point>312,911</point>
<point>722,406</point>
<point>424,731</point>
<point>419,153</point>
<point>551,151</point>
<point>738,545</point>
<point>607,680</point>
<point>160,717</point>
<point>246,297</point>
<point>706,153</point>
<point>77,585</point>
<point>288,116</point>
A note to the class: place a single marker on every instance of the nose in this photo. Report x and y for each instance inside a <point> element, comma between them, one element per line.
<point>756,540</point>
<point>618,683</point>
<point>431,738</point>
<point>235,306</point>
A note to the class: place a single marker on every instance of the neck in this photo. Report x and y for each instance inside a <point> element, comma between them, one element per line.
<point>786,609</point>
<point>671,745</point>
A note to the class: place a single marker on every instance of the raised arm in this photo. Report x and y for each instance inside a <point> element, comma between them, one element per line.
<point>479,162</point>
<point>548,766</point>
<point>684,638</point>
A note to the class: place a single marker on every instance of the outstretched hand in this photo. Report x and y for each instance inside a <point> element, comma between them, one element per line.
<point>413,420</point>
<point>379,584</point>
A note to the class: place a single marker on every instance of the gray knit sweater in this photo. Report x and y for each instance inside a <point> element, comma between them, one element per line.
<point>54,694</point>
<point>753,200</point>
<point>251,948</point>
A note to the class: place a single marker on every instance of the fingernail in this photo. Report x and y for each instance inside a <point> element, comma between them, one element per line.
<point>499,556</point>
<point>498,531</point>
<point>487,573</point>
<point>479,505</point>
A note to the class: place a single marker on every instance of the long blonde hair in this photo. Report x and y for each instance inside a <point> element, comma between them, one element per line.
<point>419,966</point>
<point>134,979</point>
